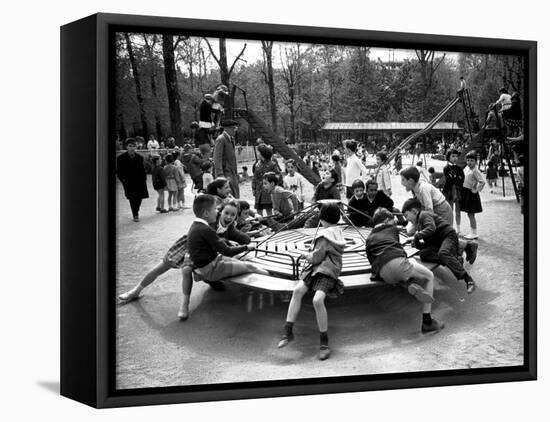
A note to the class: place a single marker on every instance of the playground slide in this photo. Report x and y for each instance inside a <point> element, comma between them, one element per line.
<point>279,146</point>
<point>424,130</point>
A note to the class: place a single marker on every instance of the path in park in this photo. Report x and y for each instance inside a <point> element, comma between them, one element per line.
<point>372,331</point>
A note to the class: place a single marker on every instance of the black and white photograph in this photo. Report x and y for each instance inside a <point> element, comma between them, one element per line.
<point>292,210</point>
<point>265,211</point>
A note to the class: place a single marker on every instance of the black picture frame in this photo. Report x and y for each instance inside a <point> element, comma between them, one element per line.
<point>87,201</point>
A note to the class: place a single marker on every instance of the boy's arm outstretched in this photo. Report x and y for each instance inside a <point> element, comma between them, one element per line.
<point>221,247</point>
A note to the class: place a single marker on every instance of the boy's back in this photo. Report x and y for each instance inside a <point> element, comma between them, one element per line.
<point>383,245</point>
<point>284,201</point>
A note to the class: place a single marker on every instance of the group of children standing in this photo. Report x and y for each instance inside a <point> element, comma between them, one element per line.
<point>171,179</point>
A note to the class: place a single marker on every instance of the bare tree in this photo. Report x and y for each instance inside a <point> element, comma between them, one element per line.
<point>139,96</point>
<point>267,47</point>
<point>225,70</point>
<point>292,71</point>
<point>150,45</point>
<point>172,90</point>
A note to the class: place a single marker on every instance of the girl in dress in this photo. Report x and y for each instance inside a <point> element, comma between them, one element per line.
<point>180,197</point>
<point>473,184</point>
<point>173,177</point>
<point>320,276</point>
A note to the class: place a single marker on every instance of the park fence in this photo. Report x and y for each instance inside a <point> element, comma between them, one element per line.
<point>245,154</point>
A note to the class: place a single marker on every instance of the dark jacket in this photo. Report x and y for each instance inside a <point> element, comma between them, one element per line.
<point>381,200</point>
<point>131,173</point>
<point>382,246</point>
<point>431,228</point>
<point>322,193</point>
<point>158,178</point>
<point>454,176</point>
<point>225,162</point>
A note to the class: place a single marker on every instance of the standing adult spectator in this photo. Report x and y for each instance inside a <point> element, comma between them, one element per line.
<point>355,169</point>
<point>131,173</point>
<point>263,166</point>
<point>225,159</point>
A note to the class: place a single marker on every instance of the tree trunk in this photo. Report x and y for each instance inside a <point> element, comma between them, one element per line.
<point>139,96</point>
<point>267,46</point>
<point>172,89</point>
<point>153,71</point>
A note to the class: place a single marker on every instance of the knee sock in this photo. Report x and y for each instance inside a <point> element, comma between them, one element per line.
<point>324,338</point>
<point>426,318</point>
<point>288,328</point>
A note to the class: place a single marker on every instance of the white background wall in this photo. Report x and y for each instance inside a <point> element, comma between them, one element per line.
<point>29,300</point>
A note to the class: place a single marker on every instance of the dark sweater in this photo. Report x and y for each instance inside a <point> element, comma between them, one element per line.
<point>431,228</point>
<point>368,207</point>
<point>204,245</point>
<point>454,176</point>
<point>322,193</point>
<point>158,178</point>
<point>382,246</point>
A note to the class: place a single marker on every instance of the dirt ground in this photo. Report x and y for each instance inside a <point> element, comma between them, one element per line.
<point>371,331</point>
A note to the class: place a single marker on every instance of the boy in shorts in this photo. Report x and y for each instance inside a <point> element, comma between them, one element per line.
<point>211,256</point>
<point>390,263</point>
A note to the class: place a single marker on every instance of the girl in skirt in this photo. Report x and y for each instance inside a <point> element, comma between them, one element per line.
<point>320,277</point>
<point>470,202</point>
<point>173,178</point>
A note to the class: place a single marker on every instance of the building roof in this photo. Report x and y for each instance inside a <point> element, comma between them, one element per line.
<point>387,126</point>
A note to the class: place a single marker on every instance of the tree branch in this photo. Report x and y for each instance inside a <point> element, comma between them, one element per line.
<point>238,57</point>
<point>212,52</point>
<point>178,40</point>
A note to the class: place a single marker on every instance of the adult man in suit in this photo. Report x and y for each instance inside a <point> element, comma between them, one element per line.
<point>225,159</point>
<point>131,172</point>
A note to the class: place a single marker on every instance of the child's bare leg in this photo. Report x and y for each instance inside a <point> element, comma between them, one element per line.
<point>151,276</point>
<point>253,268</point>
<point>296,301</point>
<point>293,310</point>
<point>473,226</point>
<point>320,310</point>
<point>186,286</point>
<point>473,222</point>
<point>422,287</point>
<point>457,215</point>
<point>170,196</point>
